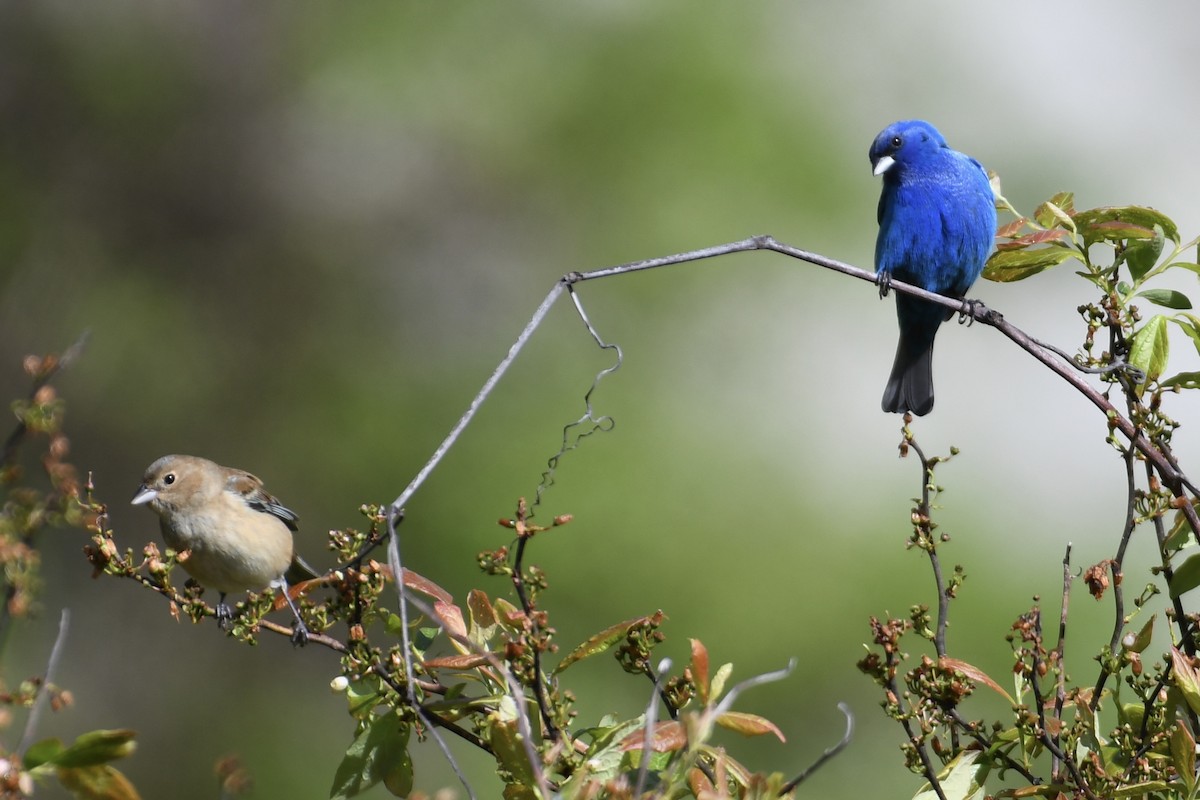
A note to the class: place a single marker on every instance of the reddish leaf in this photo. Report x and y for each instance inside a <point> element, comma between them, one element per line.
<point>481,609</point>
<point>509,615</point>
<point>464,661</point>
<point>700,669</point>
<point>975,674</point>
<point>667,736</point>
<point>604,640</point>
<point>749,724</point>
<point>419,583</point>
<point>451,618</point>
<point>1009,231</point>
<point>1037,237</point>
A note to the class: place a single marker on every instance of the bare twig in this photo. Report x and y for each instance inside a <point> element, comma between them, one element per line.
<point>925,510</point>
<point>829,753</point>
<point>539,688</point>
<point>39,703</point>
<point>651,717</point>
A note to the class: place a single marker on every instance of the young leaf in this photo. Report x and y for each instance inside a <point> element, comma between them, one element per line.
<point>1057,211</point>
<point>666,737</point>
<point>700,670</point>
<point>97,782</point>
<point>97,747</point>
<point>749,724</point>
<point>975,674</point>
<point>1184,380</point>
<point>962,779</point>
<point>378,754</point>
<point>461,661</point>
<point>1138,643</point>
<point>1168,298</point>
<point>600,642</point>
<point>1150,348</point>
<point>1010,230</point>
<point>1006,266</point>
<point>1037,237</point>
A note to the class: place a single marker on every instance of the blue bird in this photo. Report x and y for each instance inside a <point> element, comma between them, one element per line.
<point>937,223</point>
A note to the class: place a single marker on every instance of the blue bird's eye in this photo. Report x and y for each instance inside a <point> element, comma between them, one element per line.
<point>897,142</point>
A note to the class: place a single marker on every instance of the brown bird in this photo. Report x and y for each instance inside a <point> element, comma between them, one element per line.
<point>238,537</point>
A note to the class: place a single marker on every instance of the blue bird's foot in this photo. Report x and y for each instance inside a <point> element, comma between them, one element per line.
<point>970,311</point>
<point>884,280</point>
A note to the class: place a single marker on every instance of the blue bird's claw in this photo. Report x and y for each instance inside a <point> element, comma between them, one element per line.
<point>970,311</point>
<point>884,280</point>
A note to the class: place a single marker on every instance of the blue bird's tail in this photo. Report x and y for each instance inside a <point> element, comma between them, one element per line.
<point>910,386</point>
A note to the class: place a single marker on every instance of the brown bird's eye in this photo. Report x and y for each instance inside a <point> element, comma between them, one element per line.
<point>896,142</point>
<point>169,478</point>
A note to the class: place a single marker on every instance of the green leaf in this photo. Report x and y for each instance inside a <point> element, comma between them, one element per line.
<point>1142,255</point>
<point>379,754</point>
<point>1138,220</point>
<point>1006,266</point>
<point>97,747</point>
<point>1184,380</point>
<point>97,782</point>
<point>717,684</point>
<point>961,779</point>
<point>47,750</point>
<point>1190,266</point>
<point>600,642</point>
<point>1186,578</point>
<point>1189,325</point>
<point>1057,211</point>
<point>1150,348</point>
<point>510,753</point>
<point>1168,298</point>
<point>1141,641</point>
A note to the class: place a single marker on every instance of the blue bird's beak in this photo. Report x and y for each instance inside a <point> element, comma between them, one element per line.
<point>883,165</point>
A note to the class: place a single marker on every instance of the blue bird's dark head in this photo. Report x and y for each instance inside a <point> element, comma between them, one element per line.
<point>903,144</point>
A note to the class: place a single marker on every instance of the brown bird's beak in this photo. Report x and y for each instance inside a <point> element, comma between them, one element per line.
<point>143,495</point>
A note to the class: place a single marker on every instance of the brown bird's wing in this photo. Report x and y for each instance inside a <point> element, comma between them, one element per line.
<point>250,489</point>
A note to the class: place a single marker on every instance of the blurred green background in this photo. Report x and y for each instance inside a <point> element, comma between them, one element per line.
<point>302,235</point>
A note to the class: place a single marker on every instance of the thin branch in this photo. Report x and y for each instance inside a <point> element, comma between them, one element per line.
<point>514,688</point>
<point>829,753</point>
<point>926,512</point>
<point>39,703</point>
<point>1060,690</point>
<point>651,717</point>
<point>539,688</point>
<point>481,397</point>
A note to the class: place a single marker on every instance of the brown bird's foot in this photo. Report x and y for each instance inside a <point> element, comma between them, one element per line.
<point>299,633</point>
<point>224,614</point>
